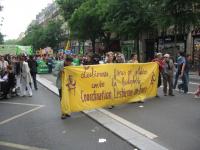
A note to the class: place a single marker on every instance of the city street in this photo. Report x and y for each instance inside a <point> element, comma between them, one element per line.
<point>84,75</point>
<point>174,120</point>
<point>42,128</point>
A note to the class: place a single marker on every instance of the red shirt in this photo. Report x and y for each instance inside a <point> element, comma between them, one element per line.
<point>160,63</point>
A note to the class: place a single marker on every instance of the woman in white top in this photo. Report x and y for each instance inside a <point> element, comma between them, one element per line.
<point>26,78</point>
<point>3,64</point>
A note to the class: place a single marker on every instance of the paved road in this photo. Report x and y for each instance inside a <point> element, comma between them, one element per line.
<point>40,126</point>
<point>175,120</point>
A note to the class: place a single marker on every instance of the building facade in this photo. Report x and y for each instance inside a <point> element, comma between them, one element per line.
<point>51,12</point>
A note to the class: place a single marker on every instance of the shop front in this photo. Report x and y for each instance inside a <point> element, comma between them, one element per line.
<point>127,48</point>
<point>196,48</point>
<point>166,44</point>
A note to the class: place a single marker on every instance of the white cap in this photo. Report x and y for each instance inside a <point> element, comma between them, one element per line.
<point>158,54</point>
<point>167,55</point>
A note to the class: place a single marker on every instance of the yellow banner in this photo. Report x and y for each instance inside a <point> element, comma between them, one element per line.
<point>90,87</point>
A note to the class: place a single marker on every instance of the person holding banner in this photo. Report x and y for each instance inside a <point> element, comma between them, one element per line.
<point>59,70</point>
<point>158,59</point>
<point>109,58</point>
<point>88,60</point>
<point>134,59</point>
<point>120,58</point>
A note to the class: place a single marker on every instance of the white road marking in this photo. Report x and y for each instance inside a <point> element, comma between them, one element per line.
<point>23,104</point>
<point>19,146</point>
<point>20,115</point>
<point>102,140</point>
<point>191,93</point>
<point>178,90</point>
<point>129,124</point>
<point>194,83</point>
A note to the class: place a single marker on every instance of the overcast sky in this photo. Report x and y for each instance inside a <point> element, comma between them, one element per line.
<point>18,14</point>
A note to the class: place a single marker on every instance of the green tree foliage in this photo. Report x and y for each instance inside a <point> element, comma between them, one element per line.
<point>53,34</point>
<point>92,19</point>
<point>99,18</point>
<point>85,22</point>
<point>40,37</point>
<point>34,36</point>
<point>68,7</point>
<point>1,35</point>
<point>11,42</point>
<point>1,38</point>
<point>177,13</point>
<point>128,17</point>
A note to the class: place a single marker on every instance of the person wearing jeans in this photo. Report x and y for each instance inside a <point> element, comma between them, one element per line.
<point>184,85</point>
<point>185,76</point>
<point>159,60</point>
<point>181,72</point>
<point>187,67</point>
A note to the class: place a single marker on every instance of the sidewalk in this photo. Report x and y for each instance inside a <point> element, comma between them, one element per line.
<point>194,77</point>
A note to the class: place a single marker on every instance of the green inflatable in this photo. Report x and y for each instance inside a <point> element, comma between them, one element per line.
<point>42,67</point>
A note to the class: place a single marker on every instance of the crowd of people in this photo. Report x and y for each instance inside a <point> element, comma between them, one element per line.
<point>18,73</point>
<point>170,70</point>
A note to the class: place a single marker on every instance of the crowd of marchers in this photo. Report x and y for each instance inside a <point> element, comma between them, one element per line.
<point>18,73</point>
<point>17,76</point>
<point>170,70</point>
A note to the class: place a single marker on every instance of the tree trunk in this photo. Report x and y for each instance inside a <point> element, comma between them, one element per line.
<point>137,48</point>
<point>107,41</point>
<point>93,45</point>
<point>79,46</point>
<point>83,47</point>
<point>175,42</point>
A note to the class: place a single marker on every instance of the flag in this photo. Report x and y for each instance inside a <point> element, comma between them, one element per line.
<point>30,51</point>
<point>18,50</point>
<point>68,46</point>
<point>81,50</point>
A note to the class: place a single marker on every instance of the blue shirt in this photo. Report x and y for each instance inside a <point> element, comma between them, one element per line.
<point>181,60</point>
